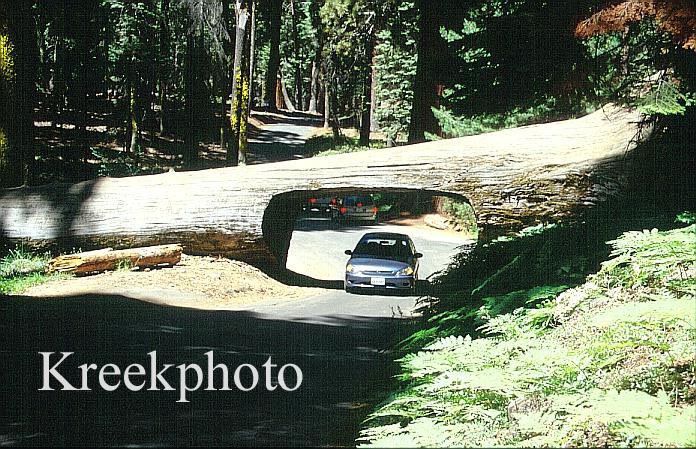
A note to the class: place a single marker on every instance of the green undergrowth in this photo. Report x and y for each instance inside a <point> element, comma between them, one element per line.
<point>610,361</point>
<point>546,111</point>
<point>21,269</point>
<point>326,145</point>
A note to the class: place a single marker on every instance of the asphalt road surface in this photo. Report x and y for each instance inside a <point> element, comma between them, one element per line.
<point>343,344</point>
<point>283,140</point>
<point>317,246</point>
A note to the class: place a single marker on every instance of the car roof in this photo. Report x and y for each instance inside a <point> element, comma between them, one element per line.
<point>384,235</point>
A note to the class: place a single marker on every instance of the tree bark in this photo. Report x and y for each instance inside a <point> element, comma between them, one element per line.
<point>315,88</point>
<point>275,11</point>
<point>286,98</point>
<point>252,57</point>
<point>367,97</point>
<point>245,99</point>
<point>132,118</point>
<point>513,179</point>
<point>226,80</point>
<point>374,123</point>
<point>239,75</point>
<point>299,92</point>
<point>425,84</point>
<point>17,92</point>
<point>191,135</point>
<point>163,66</point>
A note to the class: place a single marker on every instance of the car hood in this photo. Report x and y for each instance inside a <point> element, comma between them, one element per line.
<point>370,264</point>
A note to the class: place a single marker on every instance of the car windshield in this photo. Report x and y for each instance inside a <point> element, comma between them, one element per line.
<point>395,249</point>
<point>352,201</point>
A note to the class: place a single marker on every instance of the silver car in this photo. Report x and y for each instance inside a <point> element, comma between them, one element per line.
<point>358,208</point>
<point>384,261</point>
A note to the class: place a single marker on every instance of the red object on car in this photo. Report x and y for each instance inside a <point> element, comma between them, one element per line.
<point>312,200</point>
<point>344,210</point>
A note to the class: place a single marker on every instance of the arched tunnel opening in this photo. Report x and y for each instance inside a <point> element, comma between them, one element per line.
<point>309,232</point>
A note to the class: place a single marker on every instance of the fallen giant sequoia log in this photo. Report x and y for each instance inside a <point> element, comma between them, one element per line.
<point>513,178</point>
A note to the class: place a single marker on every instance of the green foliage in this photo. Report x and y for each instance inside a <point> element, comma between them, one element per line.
<point>396,71</point>
<point>686,217</point>
<point>462,213</point>
<point>457,126</point>
<point>20,262</point>
<point>20,270</point>
<point>646,258</point>
<point>119,164</point>
<point>664,98</point>
<point>124,265</point>
<point>326,145</point>
<point>297,49</point>
<point>617,367</point>
<point>638,67</point>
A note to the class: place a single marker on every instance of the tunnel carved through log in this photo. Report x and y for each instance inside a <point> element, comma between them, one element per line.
<point>513,178</point>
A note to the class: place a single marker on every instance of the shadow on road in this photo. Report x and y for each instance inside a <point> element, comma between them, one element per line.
<point>345,368</point>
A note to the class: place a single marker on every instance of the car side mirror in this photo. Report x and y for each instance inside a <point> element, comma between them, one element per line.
<point>349,252</point>
<point>418,255</point>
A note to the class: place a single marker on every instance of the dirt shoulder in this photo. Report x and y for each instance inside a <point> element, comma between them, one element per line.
<point>196,282</point>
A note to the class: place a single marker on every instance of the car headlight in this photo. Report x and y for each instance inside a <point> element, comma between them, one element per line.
<point>408,271</point>
<point>349,268</point>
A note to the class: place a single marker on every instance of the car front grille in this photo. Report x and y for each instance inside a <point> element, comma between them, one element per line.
<point>378,273</point>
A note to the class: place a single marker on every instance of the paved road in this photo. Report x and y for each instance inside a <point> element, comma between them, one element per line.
<point>317,246</point>
<point>344,356</point>
<point>342,343</point>
<point>283,138</point>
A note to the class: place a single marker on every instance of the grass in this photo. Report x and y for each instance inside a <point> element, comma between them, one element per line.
<point>21,269</point>
<point>609,362</point>
<point>324,144</point>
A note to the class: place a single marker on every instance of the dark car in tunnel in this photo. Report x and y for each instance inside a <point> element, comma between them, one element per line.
<point>382,261</point>
<point>327,206</point>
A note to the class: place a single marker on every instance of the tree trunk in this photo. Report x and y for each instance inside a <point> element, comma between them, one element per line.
<point>374,123</point>
<point>366,108</point>
<point>299,93</point>
<point>425,85</point>
<point>239,74</point>
<point>226,80</point>
<point>245,99</point>
<point>133,119</point>
<point>252,57</point>
<point>275,12</point>
<point>286,98</point>
<point>18,61</point>
<point>315,88</point>
<point>81,44</point>
<point>163,66</point>
<point>513,179</point>
<point>58,78</point>
<point>191,133</point>
<point>327,104</point>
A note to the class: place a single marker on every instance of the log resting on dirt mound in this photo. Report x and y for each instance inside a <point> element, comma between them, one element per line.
<point>513,178</point>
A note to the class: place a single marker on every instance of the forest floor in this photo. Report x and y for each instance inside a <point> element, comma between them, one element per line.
<point>65,154</point>
<point>196,282</point>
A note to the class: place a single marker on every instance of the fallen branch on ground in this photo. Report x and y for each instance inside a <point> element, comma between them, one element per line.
<point>109,259</point>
